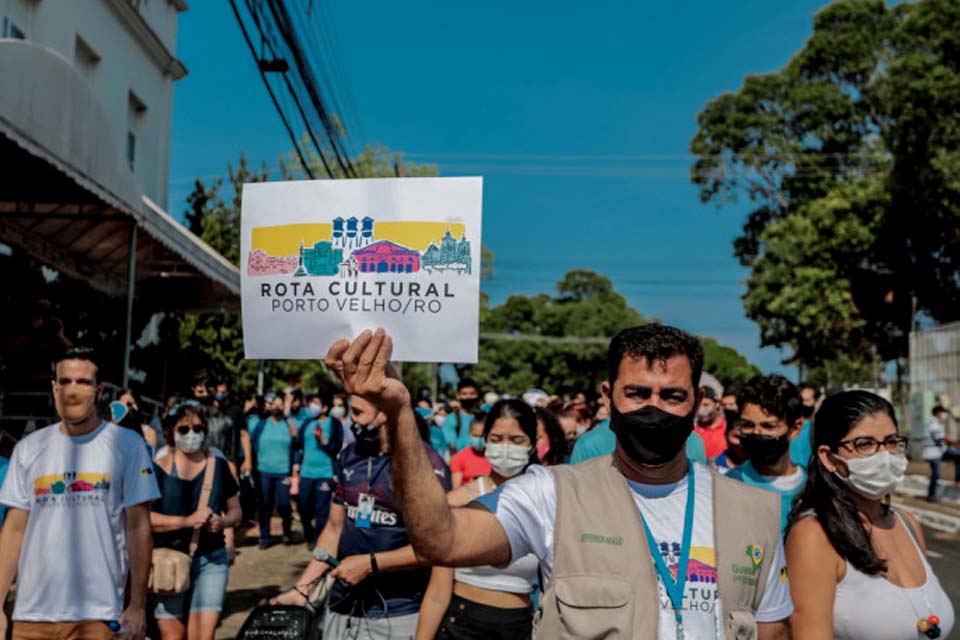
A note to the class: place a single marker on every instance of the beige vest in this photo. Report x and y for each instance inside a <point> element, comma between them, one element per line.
<point>604,584</point>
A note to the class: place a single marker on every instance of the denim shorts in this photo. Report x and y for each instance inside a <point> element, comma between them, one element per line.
<point>208,585</point>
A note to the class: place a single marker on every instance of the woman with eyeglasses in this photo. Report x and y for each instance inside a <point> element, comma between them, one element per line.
<point>177,514</point>
<point>857,566</point>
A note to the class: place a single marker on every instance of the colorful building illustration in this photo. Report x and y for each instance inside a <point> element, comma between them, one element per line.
<point>262,264</point>
<point>387,257</point>
<point>450,255</point>
<point>320,260</point>
<point>700,572</point>
<point>352,233</point>
<point>81,486</point>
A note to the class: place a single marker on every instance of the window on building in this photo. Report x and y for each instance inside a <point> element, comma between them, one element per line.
<point>136,113</point>
<point>85,58</point>
<point>12,30</point>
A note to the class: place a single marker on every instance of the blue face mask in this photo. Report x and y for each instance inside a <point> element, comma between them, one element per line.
<point>478,443</point>
<point>222,396</point>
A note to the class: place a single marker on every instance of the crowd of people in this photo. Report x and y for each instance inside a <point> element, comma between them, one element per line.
<point>664,509</point>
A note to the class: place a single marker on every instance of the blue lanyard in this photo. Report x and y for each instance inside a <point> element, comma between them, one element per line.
<point>676,587</point>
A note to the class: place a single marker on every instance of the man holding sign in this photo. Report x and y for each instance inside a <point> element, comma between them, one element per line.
<point>586,523</point>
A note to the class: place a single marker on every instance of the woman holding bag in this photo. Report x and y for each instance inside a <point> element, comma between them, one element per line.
<point>198,500</point>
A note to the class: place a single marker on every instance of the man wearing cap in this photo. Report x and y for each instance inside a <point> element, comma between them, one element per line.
<point>711,425</point>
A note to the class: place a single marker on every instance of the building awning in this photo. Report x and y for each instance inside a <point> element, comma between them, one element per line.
<point>68,200</point>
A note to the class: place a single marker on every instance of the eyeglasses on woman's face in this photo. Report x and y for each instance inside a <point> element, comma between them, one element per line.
<point>868,445</point>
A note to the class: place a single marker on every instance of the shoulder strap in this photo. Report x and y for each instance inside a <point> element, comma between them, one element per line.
<point>459,422</point>
<point>909,525</point>
<point>204,501</point>
<point>746,529</point>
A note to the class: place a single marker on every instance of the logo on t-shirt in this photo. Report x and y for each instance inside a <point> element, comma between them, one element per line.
<point>71,487</point>
<point>701,592</point>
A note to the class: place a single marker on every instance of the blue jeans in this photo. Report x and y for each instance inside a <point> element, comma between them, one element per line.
<point>936,466</point>
<point>208,584</point>
<point>314,505</point>
<point>274,492</point>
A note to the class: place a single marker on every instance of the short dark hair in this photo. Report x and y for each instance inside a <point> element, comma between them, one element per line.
<point>655,342</point>
<point>813,386</point>
<point>938,409</point>
<point>467,382</point>
<point>775,395</point>
<point>202,377</point>
<point>77,353</point>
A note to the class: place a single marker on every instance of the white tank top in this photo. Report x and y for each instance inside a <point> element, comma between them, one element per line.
<point>873,607</point>
<point>517,577</point>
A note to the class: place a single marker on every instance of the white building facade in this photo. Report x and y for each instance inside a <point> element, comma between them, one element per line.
<point>125,53</point>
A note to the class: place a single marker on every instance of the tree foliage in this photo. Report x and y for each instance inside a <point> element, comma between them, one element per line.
<point>560,342</point>
<point>849,157</point>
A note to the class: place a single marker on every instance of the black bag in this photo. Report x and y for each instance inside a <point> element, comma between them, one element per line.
<point>282,622</point>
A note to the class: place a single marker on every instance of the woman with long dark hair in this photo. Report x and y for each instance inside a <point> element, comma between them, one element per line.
<point>857,567</point>
<point>489,602</point>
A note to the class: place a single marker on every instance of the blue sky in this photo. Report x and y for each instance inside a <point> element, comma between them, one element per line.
<point>578,115</point>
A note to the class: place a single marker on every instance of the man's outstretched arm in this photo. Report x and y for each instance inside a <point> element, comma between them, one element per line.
<point>439,535</point>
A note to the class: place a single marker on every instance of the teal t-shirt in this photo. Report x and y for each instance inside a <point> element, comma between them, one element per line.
<point>601,441</point>
<point>273,450</point>
<point>450,435</point>
<point>791,486</point>
<point>316,462</point>
<point>801,447</point>
<point>437,440</point>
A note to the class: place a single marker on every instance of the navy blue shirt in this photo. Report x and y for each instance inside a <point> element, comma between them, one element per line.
<point>180,497</point>
<point>402,591</point>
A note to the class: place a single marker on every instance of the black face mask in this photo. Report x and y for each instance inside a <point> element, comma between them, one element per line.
<point>368,438</point>
<point>469,404</point>
<point>764,450</point>
<point>807,411</point>
<point>650,435</point>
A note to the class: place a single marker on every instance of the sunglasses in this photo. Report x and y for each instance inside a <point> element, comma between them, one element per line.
<point>185,429</point>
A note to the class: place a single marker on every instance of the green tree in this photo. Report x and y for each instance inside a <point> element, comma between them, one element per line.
<point>560,342</point>
<point>728,365</point>
<point>215,340</point>
<point>849,159</point>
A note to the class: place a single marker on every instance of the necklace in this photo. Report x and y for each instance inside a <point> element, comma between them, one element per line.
<point>930,625</point>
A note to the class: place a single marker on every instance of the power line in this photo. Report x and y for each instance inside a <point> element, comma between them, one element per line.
<point>310,93</point>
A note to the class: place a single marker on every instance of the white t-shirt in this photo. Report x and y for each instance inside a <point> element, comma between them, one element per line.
<point>526,507</point>
<point>73,563</point>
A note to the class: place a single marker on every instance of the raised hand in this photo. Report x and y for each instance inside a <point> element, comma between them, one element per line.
<point>363,367</point>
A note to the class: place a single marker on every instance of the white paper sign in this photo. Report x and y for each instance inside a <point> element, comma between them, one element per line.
<point>326,259</point>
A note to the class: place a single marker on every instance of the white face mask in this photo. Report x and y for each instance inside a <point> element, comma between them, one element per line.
<point>508,460</point>
<point>338,411</point>
<point>189,442</point>
<point>314,409</point>
<point>439,420</point>
<point>875,476</point>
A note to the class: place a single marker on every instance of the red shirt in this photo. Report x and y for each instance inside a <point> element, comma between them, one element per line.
<point>470,463</point>
<point>714,438</point>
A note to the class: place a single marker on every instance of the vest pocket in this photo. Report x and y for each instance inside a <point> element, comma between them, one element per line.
<point>593,607</point>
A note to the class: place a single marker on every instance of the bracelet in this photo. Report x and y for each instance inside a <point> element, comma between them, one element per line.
<point>373,563</point>
<point>296,588</point>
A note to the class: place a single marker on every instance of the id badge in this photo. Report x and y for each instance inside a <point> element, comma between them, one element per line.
<point>365,510</point>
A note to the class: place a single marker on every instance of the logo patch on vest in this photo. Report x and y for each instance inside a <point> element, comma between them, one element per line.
<point>747,574</point>
<point>596,538</point>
